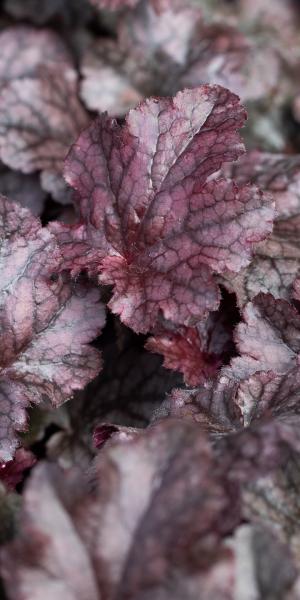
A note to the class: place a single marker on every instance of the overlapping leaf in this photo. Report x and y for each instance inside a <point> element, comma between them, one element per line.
<point>255,401</point>
<point>153,224</point>
<point>40,114</point>
<point>197,352</point>
<point>276,262</point>
<point>117,538</point>
<point>113,535</point>
<point>163,47</point>
<point>45,324</point>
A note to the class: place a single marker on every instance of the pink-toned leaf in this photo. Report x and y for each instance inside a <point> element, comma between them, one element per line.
<point>45,324</point>
<point>255,422</point>
<point>40,114</point>
<point>269,337</point>
<point>105,85</point>
<point>12,472</point>
<point>163,47</point>
<point>212,406</point>
<point>158,31</point>
<point>161,227</point>
<point>275,173</point>
<point>117,538</point>
<point>217,54</point>
<point>174,47</point>
<point>114,536</point>
<point>39,119</point>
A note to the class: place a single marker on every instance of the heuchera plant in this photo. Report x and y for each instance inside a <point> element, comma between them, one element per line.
<point>149,300</point>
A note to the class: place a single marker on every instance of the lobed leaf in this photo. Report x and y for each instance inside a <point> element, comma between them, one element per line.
<point>46,323</point>
<point>153,225</point>
<point>275,264</point>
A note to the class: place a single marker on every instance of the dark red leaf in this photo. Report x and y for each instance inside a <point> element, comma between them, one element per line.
<point>105,432</point>
<point>12,472</point>
<point>196,352</point>
<point>184,351</point>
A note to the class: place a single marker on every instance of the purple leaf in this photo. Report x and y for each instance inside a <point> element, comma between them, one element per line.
<point>152,224</point>
<point>116,538</point>
<point>254,401</point>
<point>276,261</point>
<point>39,118</point>
<point>26,49</point>
<point>45,324</point>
